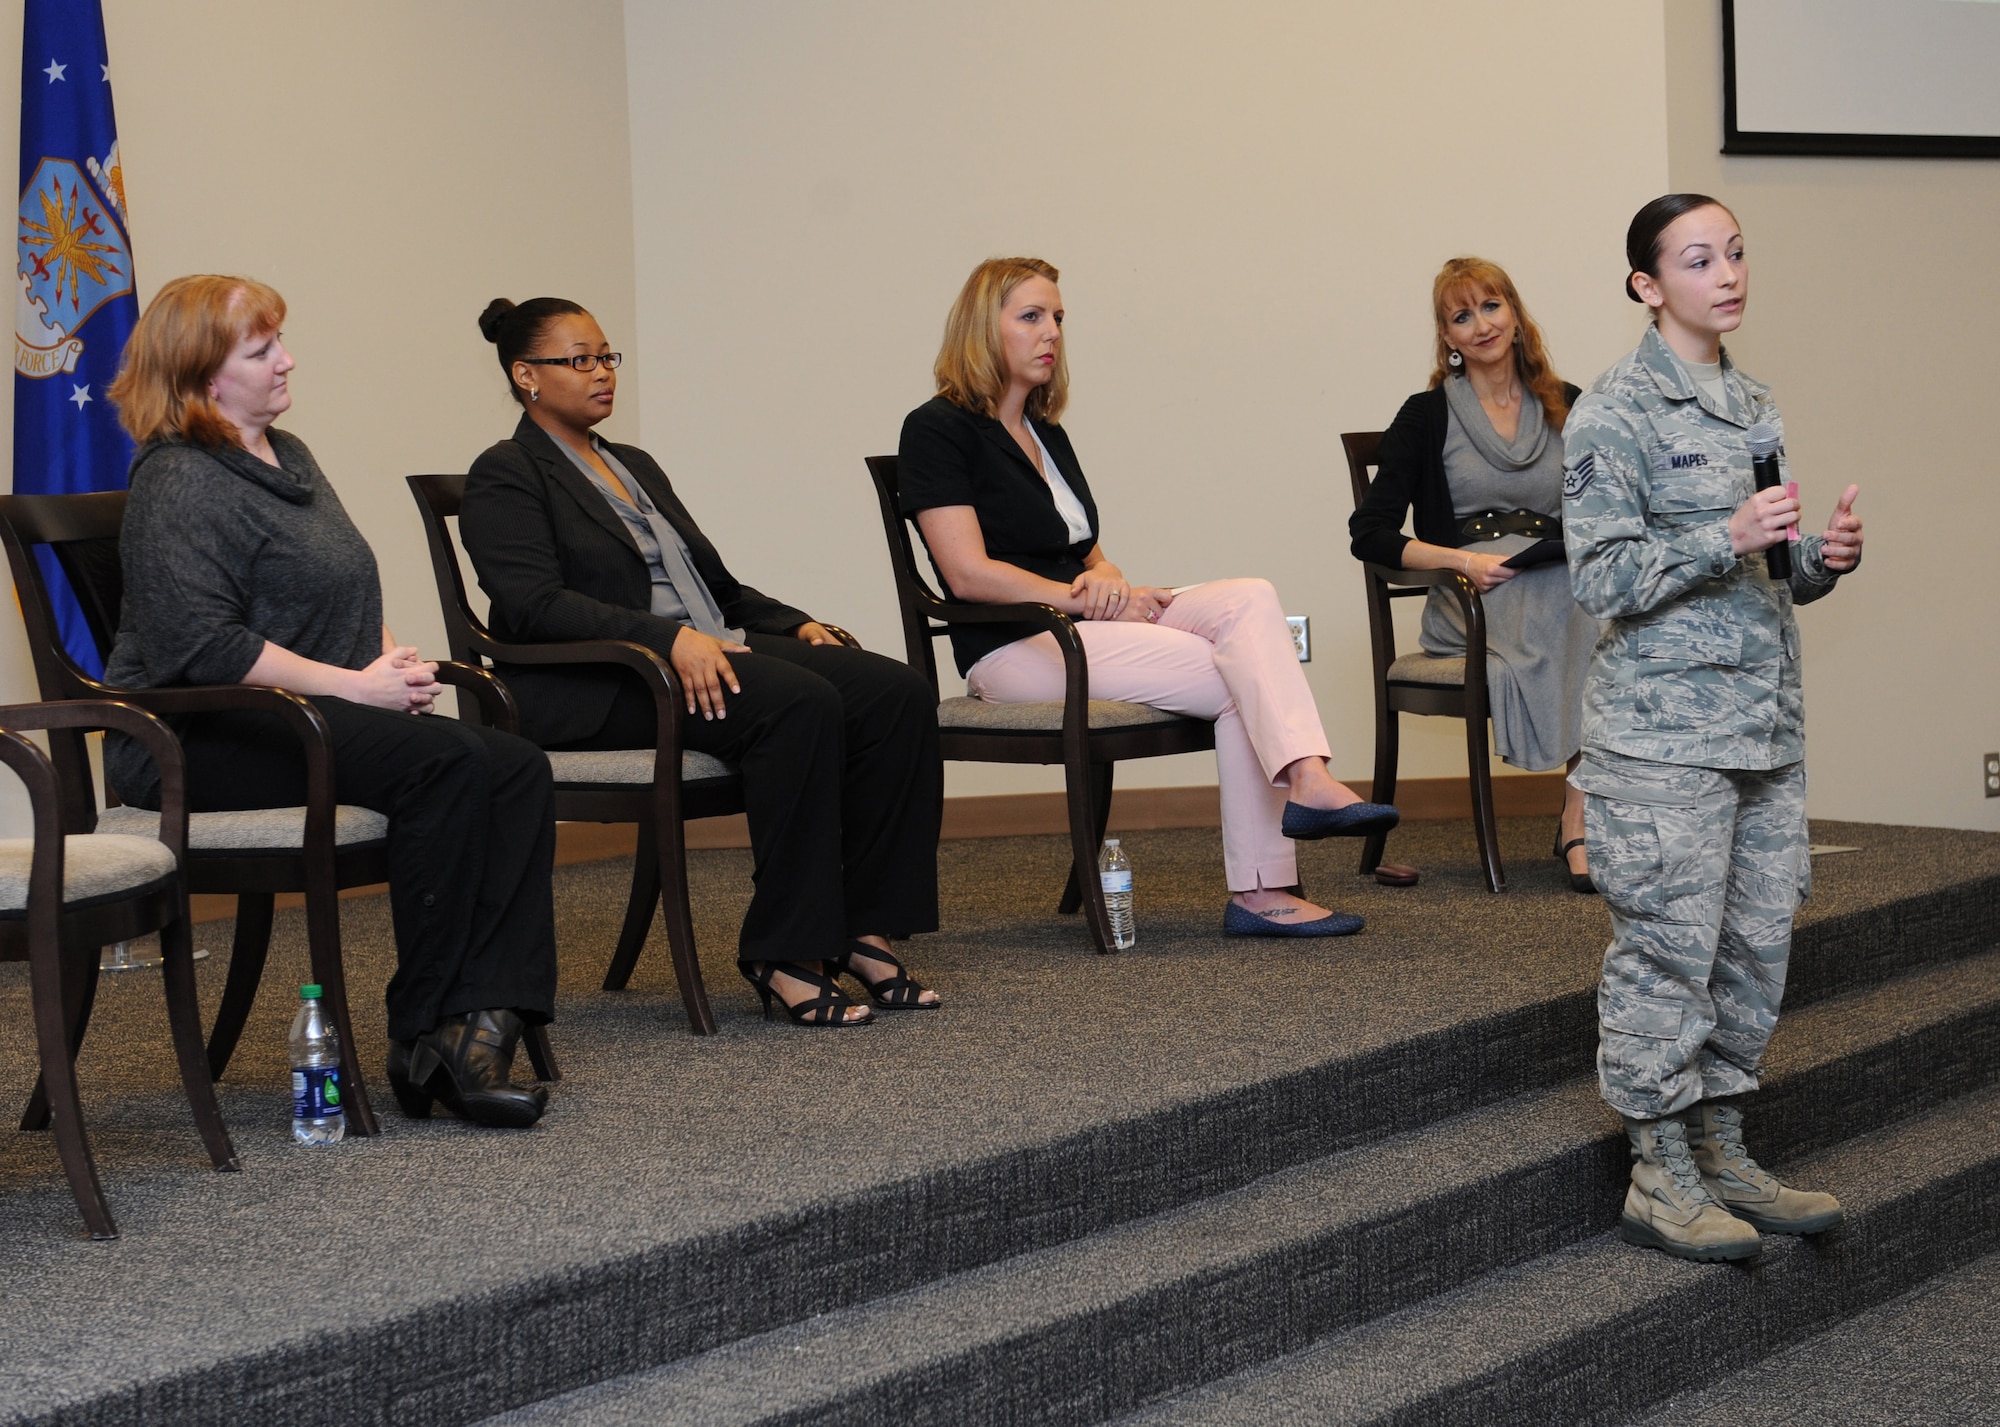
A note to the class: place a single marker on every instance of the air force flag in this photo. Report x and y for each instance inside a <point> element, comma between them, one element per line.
<point>74,305</point>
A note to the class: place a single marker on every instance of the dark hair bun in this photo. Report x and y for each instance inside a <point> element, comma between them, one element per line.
<point>515,328</point>
<point>495,317</point>
<point>1649,230</point>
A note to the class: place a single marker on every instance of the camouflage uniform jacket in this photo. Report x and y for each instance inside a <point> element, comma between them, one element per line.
<point>1700,663</point>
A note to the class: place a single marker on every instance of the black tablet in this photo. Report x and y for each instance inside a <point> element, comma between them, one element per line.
<point>1542,552</point>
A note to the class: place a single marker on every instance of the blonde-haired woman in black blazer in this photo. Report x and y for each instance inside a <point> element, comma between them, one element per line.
<point>578,538</point>
<point>991,479</point>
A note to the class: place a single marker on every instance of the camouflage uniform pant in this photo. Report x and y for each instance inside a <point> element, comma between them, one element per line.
<point>1701,869</point>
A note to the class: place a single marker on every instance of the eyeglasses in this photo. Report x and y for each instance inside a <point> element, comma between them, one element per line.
<point>582,361</point>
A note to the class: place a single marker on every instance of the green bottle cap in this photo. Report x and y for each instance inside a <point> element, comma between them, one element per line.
<point>308,993</point>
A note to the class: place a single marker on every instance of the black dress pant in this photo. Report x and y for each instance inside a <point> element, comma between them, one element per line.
<point>842,784</point>
<point>472,840</point>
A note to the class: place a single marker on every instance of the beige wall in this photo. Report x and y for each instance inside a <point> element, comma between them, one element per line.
<point>1872,319</point>
<point>389,167</point>
<point>1247,201</point>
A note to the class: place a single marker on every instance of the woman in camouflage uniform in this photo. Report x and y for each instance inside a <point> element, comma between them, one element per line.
<point>1693,739</point>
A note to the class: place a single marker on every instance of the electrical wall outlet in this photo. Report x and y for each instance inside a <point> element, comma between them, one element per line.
<point>1993,775</point>
<point>1302,637</point>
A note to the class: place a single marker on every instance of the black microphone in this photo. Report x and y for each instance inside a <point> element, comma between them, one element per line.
<point>1763,441</point>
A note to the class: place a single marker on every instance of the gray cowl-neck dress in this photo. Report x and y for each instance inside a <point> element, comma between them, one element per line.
<point>1538,642</point>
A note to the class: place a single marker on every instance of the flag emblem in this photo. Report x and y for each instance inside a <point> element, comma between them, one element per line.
<point>73,259</point>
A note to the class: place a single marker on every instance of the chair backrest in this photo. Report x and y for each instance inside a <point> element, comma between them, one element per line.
<point>1363,450</point>
<point>438,500</point>
<point>914,595</point>
<point>80,534</point>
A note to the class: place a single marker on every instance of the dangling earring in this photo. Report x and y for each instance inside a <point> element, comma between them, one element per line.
<point>1455,359</point>
<point>534,393</point>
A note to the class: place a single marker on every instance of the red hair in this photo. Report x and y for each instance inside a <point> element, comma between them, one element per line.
<point>178,347</point>
<point>1463,281</point>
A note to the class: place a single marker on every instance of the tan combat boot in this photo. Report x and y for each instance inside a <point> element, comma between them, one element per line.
<point>1744,1187</point>
<point>1667,1208</point>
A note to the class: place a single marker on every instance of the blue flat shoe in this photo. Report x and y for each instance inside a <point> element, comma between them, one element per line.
<point>1238,920</point>
<point>1355,820</point>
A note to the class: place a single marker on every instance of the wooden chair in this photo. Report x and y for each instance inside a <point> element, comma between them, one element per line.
<point>658,788</point>
<point>66,892</point>
<point>1421,683</point>
<point>317,849</point>
<point>1089,737</point>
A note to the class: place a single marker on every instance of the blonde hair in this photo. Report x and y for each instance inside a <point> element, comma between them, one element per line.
<point>971,367</point>
<point>179,345</point>
<point>1469,278</point>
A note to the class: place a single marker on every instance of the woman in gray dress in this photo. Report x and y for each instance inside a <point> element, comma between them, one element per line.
<point>1479,457</point>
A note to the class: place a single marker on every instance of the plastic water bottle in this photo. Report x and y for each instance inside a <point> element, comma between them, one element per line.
<point>317,1115</point>
<point>1114,874</point>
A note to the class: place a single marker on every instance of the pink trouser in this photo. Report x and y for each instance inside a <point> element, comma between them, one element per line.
<point>1222,652</point>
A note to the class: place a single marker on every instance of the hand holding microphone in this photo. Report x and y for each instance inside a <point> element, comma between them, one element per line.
<point>1769,519</point>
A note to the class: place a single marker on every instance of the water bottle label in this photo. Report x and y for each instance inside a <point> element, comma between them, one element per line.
<point>1115,882</point>
<point>316,1092</point>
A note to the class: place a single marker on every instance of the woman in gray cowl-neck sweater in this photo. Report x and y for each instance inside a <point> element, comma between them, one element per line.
<point>241,567</point>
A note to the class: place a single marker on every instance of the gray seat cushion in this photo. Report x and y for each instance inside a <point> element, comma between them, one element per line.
<point>258,830</point>
<point>94,865</point>
<point>631,765</point>
<point>1428,669</point>
<point>969,715</point>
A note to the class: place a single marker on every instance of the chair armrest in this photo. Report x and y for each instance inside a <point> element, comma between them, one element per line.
<point>1042,616</point>
<point>1396,575</point>
<point>298,715</point>
<point>496,701</point>
<point>656,673</point>
<point>157,738</point>
<point>1460,584</point>
<point>45,867</point>
<point>1471,607</point>
<point>840,635</point>
<point>1050,620</point>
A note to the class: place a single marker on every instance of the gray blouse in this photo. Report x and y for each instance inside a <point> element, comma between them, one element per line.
<point>1487,473</point>
<point>679,592</point>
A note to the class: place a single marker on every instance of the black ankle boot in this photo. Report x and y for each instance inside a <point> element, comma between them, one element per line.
<point>413,1098</point>
<point>465,1061</point>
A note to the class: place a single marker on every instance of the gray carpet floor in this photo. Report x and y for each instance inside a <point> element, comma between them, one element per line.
<point>656,1136</point>
<point>1928,1359</point>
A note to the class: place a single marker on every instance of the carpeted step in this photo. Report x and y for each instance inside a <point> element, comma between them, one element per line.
<point>685,1195</point>
<point>1931,1356</point>
<point>1080,1332</point>
<point>1599,1330</point>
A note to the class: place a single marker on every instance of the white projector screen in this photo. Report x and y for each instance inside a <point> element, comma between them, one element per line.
<point>1916,78</point>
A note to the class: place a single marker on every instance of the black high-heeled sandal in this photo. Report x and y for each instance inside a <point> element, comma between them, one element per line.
<point>1578,881</point>
<point>891,993</point>
<point>826,1009</point>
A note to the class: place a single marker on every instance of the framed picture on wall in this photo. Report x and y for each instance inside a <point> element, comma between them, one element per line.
<point>1861,78</point>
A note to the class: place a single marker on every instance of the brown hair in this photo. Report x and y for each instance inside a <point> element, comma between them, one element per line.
<point>1470,277</point>
<point>179,345</point>
<point>971,367</point>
